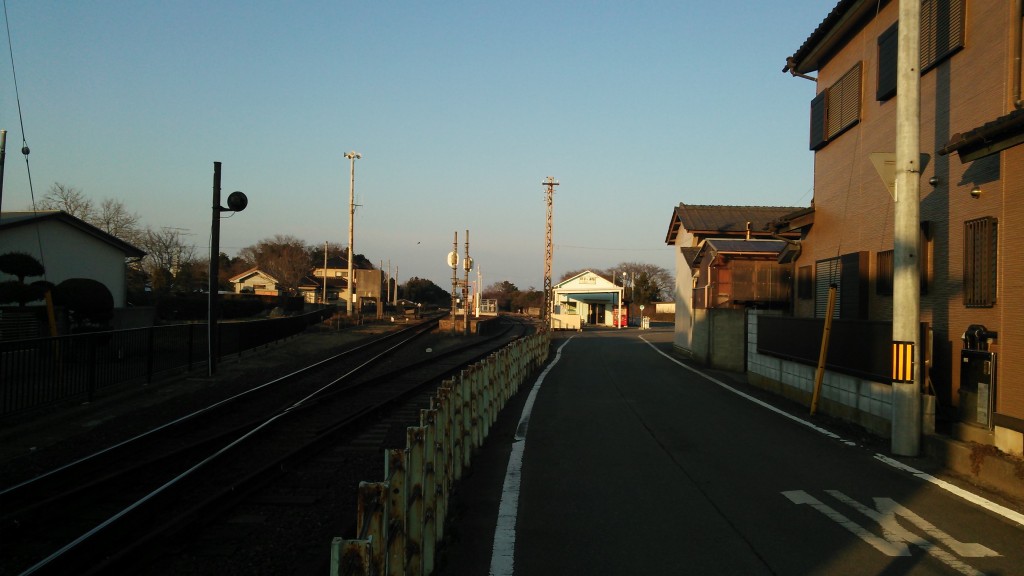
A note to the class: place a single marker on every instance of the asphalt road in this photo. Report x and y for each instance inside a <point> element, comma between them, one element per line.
<point>632,463</point>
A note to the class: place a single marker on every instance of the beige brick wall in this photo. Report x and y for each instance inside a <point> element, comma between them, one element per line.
<point>854,211</point>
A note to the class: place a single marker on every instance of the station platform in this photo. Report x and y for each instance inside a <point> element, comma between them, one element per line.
<point>622,459</point>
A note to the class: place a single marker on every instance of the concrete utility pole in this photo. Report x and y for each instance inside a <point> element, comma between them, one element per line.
<point>453,263</point>
<point>906,316</point>
<point>324,299</point>
<point>549,250</point>
<point>352,156</point>
<point>467,265</point>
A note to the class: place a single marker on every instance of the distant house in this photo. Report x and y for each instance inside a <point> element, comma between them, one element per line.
<point>255,281</point>
<point>69,248</point>
<point>690,226</point>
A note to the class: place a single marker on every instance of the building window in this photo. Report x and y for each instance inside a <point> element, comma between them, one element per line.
<point>942,34</point>
<point>826,272</point>
<point>887,47</point>
<point>836,108</point>
<point>883,273</point>
<point>805,283</point>
<point>980,240</point>
<point>942,30</point>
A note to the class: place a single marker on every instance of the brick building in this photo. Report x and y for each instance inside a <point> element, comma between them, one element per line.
<point>971,194</point>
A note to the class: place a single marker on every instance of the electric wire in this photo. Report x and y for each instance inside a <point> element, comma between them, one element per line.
<point>24,141</point>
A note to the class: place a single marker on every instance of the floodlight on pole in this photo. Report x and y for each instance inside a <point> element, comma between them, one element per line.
<point>352,157</point>
<point>237,201</point>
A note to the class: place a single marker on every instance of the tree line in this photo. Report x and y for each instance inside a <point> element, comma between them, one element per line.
<point>172,265</point>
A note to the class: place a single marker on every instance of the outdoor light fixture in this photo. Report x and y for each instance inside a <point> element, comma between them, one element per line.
<point>237,201</point>
<point>976,191</point>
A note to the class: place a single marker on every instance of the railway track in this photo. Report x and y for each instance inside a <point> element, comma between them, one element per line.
<point>135,505</point>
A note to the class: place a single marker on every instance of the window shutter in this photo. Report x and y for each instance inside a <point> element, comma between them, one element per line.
<point>942,30</point>
<point>818,121</point>
<point>843,103</point>
<point>887,50</point>
<point>826,272</point>
<point>980,242</point>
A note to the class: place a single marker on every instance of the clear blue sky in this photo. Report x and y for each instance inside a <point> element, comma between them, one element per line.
<point>460,109</point>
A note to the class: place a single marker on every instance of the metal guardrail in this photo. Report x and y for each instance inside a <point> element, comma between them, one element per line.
<point>40,371</point>
<point>401,520</point>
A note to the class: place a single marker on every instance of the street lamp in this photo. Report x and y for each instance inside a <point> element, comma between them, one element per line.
<point>236,203</point>
<point>352,156</point>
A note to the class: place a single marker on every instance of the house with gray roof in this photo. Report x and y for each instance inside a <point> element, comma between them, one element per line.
<point>692,225</point>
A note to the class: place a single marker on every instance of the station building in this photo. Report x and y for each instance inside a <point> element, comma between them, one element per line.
<point>587,299</point>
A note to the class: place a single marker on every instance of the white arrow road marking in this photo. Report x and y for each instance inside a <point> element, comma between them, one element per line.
<point>896,537</point>
<point>888,509</point>
<point>881,544</point>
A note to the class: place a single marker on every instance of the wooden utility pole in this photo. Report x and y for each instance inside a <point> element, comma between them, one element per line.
<point>549,250</point>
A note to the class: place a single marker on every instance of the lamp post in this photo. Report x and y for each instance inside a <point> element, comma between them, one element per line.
<point>352,156</point>
<point>236,203</point>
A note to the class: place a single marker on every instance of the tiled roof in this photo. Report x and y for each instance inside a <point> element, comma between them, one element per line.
<point>724,219</point>
<point>845,14</point>
<point>745,246</point>
<point>999,134</point>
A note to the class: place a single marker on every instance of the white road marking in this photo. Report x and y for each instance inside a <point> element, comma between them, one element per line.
<point>1003,511</point>
<point>895,536</point>
<point>883,545</point>
<point>504,547</point>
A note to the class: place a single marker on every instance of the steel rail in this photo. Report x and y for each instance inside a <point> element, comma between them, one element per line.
<point>301,403</point>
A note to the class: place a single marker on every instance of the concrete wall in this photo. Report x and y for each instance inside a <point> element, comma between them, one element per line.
<point>854,399</point>
<point>719,338</point>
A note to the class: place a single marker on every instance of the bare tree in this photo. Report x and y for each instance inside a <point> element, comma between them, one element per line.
<point>115,219</point>
<point>68,199</point>
<point>284,257</point>
<point>166,256</point>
